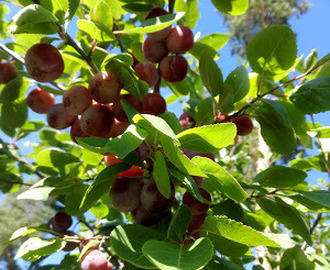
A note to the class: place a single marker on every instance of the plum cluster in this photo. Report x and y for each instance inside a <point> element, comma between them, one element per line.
<point>94,111</point>
<point>7,72</point>
<point>157,46</point>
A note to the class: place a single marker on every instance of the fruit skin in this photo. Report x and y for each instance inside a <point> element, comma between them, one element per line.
<point>154,104</point>
<point>105,87</point>
<point>191,153</point>
<point>243,124</point>
<point>197,207</point>
<point>173,68</point>
<point>143,217</point>
<point>195,223</point>
<point>60,222</point>
<point>154,50</point>
<point>118,128</point>
<point>147,72</point>
<point>125,194</point>
<point>94,260</point>
<point>186,119</point>
<point>7,72</point>
<point>162,34</point>
<point>118,110</point>
<point>97,121</point>
<point>69,246</point>
<point>153,201</point>
<point>77,99</point>
<point>76,131</point>
<point>59,118</point>
<point>40,101</point>
<point>44,62</point>
<point>180,39</point>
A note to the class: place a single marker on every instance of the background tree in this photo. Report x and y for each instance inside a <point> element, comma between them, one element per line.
<point>260,15</point>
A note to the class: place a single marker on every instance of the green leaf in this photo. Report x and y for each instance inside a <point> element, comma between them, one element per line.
<point>192,14</point>
<point>179,223</point>
<point>276,127</point>
<point>226,99</point>
<point>34,28</point>
<point>101,185</point>
<point>102,13</point>
<point>232,7</point>
<point>153,25</point>
<point>23,231</point>
<point>221,264</point>
<point>237,232</point>
<point>215,40</point>
<point>319,196</point>
<point>206,139</point>
<point>313,97</point>
<point>180,89</point>
<point>170,256</point>
<point>59,8</point>
<point>124,144</point>
<point>14,90</point>
<point>189,183</point>
<point>154,124</point>
<point>239,81</point>
<point>14,114</point>
<point>92,158</point>
<point>272,51</point>
<point>128,240</point>
<point>281,177</point>
<point>160,175</point>
<point>138,8</point>
<point>127,76</point>
<point>38,194</point>
<point>55,158</point>
<point>34,248</point>
<point>172,120</point>
<point>93,144</point>
<point>322,132</point>
<point>210,73</point>
<point>220,179</point>
<point>72,201</point>
<point>95,30</point>
<point>324,69</point>
<point>286,214</point>
<point>33,14</point>
<point>178,158</point>
<point>295,258</point>
<point>204,111</point>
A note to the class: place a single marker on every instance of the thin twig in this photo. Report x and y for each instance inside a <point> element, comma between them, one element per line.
<point>171,4</point>
<point>244,108</point>
<point>118,37</point>
<point>70,41</point>
<point>158,83</point>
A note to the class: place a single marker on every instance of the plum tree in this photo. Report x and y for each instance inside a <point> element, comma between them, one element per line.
<point>97,121</point>
<point>44,62</point>
<point>154,104</point>
<point>77,99</point>
<point>7,72</point>
<point>40,101</point>
<point>180,39</point>
<point>173,68</point>
<point>105,87</point>
<point>59,118</point>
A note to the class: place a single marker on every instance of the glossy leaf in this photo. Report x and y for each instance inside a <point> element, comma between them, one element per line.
<point>55,158</point>
<point>232,7</point>
<point>276,127</point>
<point>128,240</point>
<point>220,179</point>
<point>237,232</point>
<point>313,97</point>
<point>272,50</point>
<point>210,73</point>
<point>204,111</point>
<point>160,175</point>
<point>286,214</point>
<point>170,256</point>
<point>209,138</point>
<point>281,177</point>
<point>239,81</point>
<point>179,223</point>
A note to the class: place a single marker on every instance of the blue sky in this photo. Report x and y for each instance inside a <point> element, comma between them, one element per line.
<point>312,31</point>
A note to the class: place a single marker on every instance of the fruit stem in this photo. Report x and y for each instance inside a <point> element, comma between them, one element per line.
<point>70,41</point>
<point>171,4</point>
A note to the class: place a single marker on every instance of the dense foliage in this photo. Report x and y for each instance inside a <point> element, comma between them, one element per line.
<point>149,189</point>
